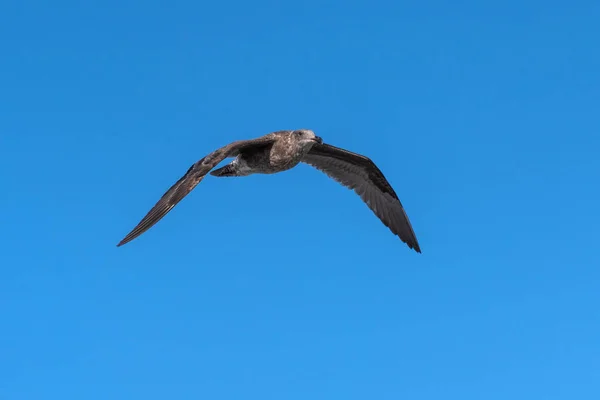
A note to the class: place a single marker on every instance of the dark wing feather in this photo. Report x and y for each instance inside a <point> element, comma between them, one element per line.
<point>189,181</point>
<point>360,174</point>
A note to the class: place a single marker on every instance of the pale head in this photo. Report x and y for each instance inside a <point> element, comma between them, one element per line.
<point>306,137</point>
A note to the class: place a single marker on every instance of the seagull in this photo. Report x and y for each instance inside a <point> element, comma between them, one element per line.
<point>280,151</point>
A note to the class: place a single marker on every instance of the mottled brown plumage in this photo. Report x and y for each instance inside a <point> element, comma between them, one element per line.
<point>283,150</point>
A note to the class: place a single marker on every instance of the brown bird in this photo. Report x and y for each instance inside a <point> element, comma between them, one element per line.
<point>283,150</point>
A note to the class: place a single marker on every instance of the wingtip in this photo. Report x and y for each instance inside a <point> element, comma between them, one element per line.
<point>415,246</point>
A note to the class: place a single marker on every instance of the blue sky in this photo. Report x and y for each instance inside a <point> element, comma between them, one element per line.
<point>483,116</point>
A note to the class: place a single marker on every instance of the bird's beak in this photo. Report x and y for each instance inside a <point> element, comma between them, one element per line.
<point>318,139</point>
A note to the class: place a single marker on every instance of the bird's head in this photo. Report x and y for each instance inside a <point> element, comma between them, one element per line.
<point>306,137</point>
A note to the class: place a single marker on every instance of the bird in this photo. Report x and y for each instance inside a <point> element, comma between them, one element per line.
<point>280,151</point>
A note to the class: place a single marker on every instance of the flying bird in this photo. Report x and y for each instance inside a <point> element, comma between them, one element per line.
<point>283,150</point>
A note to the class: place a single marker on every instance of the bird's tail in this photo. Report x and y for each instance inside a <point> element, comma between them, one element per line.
<point>228,170</point>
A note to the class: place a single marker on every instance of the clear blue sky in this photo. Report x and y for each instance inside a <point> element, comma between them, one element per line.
<point>484,117</point>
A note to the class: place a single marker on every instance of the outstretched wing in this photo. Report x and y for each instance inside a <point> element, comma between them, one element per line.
<point>360,174</point>
<point>189,181</point>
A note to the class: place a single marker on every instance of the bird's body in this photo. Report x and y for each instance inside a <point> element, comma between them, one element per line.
<point>280,151</point>
<point>284,152</point>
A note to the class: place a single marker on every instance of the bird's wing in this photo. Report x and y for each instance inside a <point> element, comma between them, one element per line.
<point>187,182</point>
<point>360,174</point>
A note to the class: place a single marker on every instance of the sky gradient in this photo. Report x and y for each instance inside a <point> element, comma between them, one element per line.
<point>483,116</point>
